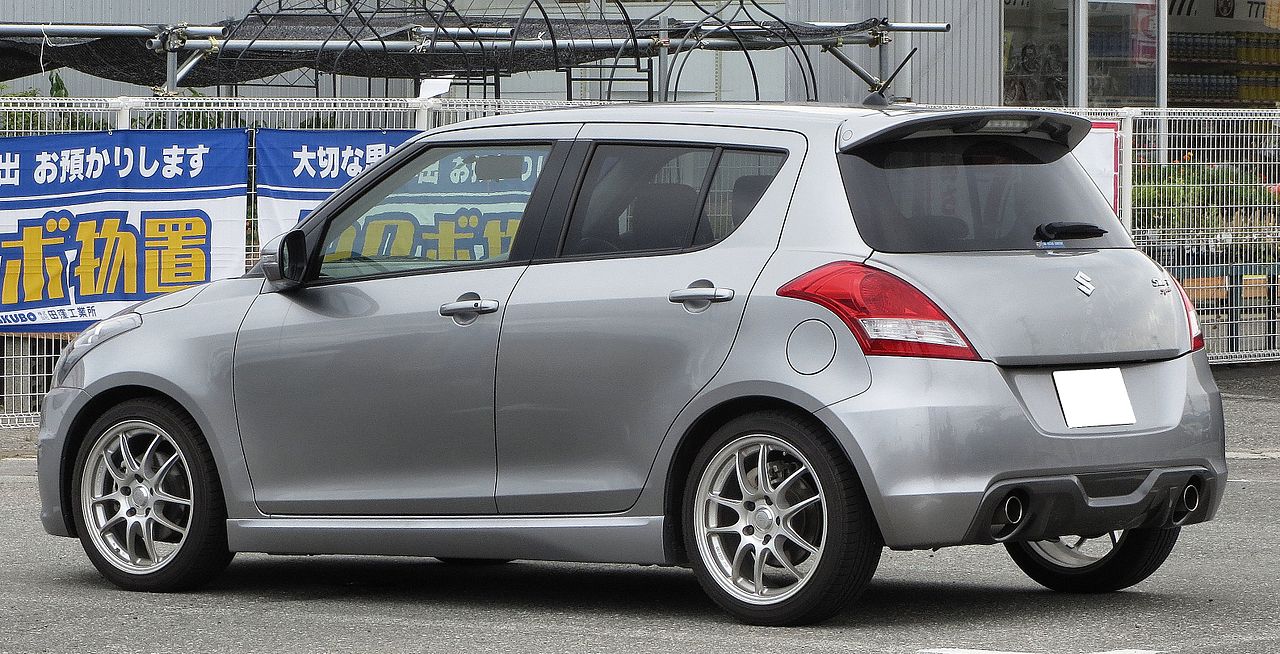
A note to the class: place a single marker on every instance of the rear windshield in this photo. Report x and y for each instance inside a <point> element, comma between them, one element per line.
<point>972,193</point>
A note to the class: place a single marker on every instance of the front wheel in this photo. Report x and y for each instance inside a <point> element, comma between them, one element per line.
<point>776,524</point>
<point>146,499</point>
<point>1099,564</point>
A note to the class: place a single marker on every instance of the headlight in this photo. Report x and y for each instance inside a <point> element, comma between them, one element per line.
<point>90,338</point>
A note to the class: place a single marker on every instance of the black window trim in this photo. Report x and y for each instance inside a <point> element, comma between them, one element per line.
<point>574,190</point>
<point>540,199</point>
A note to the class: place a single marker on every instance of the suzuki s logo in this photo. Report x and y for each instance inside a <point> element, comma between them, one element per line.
<point>1084,283</point>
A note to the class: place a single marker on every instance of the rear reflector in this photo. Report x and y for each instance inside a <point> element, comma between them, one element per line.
<point>887,315</point>
<point>1193,323</point>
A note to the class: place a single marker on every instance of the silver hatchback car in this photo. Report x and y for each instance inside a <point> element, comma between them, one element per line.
<point>761,341</point>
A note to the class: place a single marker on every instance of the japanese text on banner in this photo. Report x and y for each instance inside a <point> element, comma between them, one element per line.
<point>93,222</point>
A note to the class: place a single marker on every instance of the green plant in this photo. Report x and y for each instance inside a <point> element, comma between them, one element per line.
<point>1191,195</point>
<point>57,87</point>
<point>190,119</point>
<point>1225,210</point>
<point>18,122</point>
<point>320,121</point>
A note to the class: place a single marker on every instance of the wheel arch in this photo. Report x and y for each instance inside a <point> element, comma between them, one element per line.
<point>93,409</point>
<point>697,434</point>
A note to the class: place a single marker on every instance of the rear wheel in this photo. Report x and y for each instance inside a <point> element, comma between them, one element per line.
<point>146,499</point>
<point>775,521</point>
<point>1100,564</point>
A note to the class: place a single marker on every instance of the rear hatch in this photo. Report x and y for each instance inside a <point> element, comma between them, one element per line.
<point>972,213</point>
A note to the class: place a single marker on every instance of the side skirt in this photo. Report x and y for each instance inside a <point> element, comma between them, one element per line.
<point>596,539</point>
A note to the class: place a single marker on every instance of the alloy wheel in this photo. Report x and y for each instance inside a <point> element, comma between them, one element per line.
<point>136,496</point>
<point>760,518</point>
<point>1078,551</point>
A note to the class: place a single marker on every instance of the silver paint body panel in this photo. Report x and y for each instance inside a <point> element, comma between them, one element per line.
<point>333,429</point>
<point>582,335</point>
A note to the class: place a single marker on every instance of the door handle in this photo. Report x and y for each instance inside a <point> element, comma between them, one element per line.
<point>462,307</point>
<point>700,294</point>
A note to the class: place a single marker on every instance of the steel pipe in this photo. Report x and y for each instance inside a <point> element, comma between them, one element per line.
<point>916,27</point>
<point>887,26</point>
<point>89,31</point>
<point>439,45</point>
<point>473,32</point>
<point>446,45</point>
<point>188,66</point>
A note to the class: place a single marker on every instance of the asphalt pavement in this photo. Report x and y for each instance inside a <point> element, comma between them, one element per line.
<point>1218,592</point>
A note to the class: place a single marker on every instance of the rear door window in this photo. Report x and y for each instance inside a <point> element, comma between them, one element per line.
<point>741,178</point>
<point>652,198</point>
<point>972,193</point>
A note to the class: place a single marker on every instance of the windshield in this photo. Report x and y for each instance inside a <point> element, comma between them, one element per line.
<point>972,193</point>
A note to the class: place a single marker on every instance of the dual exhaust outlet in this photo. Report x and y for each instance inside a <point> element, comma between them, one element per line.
<point>1011,512</point>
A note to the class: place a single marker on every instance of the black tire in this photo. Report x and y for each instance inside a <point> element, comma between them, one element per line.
<point>853,542</point>
<point>1138,554</point>
<point>453,560</point>
<point>203,554</point>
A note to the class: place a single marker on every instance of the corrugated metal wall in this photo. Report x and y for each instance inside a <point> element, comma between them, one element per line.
<point>835,82</point>
<point>963,66</point>
<point>960,67</point>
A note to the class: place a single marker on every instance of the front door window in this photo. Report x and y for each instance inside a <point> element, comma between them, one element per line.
<point>453,206</point>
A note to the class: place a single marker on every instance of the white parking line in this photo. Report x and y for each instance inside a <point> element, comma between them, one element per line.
<point>953,650</point>
<point>1246,396</point>
<point>1253,454</point>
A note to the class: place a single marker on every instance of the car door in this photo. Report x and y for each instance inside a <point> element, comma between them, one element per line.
<point>635,306</point>
<point>369,390</point>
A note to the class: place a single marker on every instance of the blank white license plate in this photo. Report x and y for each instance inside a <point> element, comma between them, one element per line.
<point>1094,398</point>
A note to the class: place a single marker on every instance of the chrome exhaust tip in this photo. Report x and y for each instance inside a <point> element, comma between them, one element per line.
<point>1191,497</point>
<point>1013,511</point>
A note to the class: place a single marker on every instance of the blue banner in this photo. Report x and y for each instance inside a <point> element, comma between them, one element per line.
<point>297,169</point>
<point>92,222</point>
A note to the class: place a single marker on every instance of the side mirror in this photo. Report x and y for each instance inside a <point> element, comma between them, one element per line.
<point>284,260</point>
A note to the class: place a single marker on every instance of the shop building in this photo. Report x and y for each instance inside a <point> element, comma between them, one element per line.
<point>1073,53</point>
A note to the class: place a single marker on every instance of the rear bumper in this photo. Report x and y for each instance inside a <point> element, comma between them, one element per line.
<point>935,441</point>
<point>1095,504</point>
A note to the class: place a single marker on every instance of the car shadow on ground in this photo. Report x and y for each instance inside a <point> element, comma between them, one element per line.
<point>656,591</point>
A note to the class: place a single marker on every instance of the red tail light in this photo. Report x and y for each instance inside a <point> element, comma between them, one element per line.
<point>887,315</point>
<point>1193,323</point>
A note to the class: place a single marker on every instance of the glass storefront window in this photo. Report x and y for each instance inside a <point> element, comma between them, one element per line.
<point>1037,53</point>
<point>1123,48</point>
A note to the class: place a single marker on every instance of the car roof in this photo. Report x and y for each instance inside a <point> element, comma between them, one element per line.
<point>813,119</point>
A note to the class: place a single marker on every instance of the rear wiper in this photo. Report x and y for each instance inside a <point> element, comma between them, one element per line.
<point>1058,231</point>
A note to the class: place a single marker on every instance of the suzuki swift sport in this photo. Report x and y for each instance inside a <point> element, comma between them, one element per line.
<point>761,341</point>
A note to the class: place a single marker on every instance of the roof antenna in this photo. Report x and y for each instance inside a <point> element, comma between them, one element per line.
<point>877,97</point>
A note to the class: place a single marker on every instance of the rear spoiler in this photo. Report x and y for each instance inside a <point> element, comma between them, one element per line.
<point>1065,129</point>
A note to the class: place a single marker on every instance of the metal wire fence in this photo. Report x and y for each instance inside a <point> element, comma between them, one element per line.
<point>28,359</point>
<point>1200,190</point>
<point>1205,203</point>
